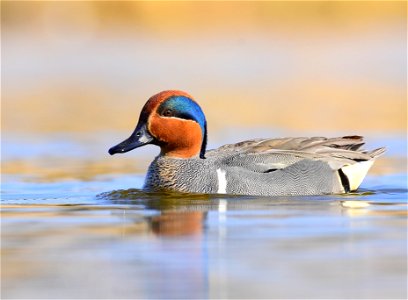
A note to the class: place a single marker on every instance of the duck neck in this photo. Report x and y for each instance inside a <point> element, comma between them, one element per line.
<point>204,143</point>
<point>188,146</point>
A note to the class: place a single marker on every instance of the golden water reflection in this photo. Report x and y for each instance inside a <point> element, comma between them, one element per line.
<point>67,168</point>
<point>193,247</point>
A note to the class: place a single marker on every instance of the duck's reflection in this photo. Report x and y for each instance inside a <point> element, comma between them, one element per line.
<point>176,258</point>
<point>185,271</point>
<point>184,274</point>
<point>174,223</point>
<point>177,214</point>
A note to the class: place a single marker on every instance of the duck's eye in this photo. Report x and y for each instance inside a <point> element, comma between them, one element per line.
<point>168,113</point>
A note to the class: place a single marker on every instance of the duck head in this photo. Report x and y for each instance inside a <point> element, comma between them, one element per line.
<point>173,121</point>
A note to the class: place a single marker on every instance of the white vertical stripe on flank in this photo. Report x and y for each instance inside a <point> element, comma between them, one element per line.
<point>222,182</point>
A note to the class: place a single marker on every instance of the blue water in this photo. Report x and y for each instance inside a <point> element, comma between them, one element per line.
<point>77,228</point>
<point>77,239</point>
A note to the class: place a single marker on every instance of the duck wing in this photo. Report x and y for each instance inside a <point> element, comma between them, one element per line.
<point>298,144</point>
<point>268,155</point>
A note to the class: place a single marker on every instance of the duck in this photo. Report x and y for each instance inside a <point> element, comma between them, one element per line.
<point>288,166</point>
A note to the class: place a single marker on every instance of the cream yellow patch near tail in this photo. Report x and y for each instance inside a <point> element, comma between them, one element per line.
<point>356,173</point>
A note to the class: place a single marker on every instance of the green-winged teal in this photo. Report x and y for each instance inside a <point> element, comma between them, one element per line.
<point>173,121</point>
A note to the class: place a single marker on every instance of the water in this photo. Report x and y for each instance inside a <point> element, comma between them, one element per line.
<point>96,235</point>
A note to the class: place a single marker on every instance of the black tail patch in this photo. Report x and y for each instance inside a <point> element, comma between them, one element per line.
<point>344,181</point>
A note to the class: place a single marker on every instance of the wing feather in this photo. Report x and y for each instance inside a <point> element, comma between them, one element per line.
<point>264,155</point>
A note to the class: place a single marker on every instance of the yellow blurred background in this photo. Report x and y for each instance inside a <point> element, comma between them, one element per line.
<point>305,66</point>
<point>258,69</point>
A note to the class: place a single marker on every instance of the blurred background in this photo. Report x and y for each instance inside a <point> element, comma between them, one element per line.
<point>75,76</point>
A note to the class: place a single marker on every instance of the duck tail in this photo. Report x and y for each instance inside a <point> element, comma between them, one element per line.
<point>376,152</point>
<point>355,173</point>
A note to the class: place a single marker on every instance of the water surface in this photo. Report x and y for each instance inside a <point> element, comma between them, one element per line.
<point>93,239</point>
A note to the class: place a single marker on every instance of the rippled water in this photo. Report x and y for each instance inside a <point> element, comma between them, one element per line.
<point>93,239</point>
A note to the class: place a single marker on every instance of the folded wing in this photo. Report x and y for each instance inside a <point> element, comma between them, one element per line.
<point>344,155</point>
